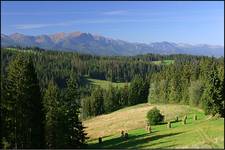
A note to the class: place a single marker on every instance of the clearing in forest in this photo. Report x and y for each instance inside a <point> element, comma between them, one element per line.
<point>205,132</point>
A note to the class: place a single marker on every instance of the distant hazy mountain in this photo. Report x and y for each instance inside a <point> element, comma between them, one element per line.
<point>99,45</point>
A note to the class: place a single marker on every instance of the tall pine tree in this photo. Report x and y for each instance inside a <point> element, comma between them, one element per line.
<point>211,97</point>
<point>97,101</point>
<point>74,131</point>
<point>51,108</point>
<point>23,105</point>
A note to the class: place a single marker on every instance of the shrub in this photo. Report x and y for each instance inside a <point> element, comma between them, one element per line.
<point>154,116</point>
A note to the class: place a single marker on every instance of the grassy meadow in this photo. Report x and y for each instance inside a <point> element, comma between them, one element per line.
<point>105,84</point>
<point>163,62</point>
<point>205,132</point>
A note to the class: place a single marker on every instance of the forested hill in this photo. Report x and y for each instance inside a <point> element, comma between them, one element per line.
<point>56,82</point>
<point>58,65</point>
<point>163,78</point>
<point>99,45</point>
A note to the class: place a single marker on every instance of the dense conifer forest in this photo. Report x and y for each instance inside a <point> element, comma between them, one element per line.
<point>45,95</point>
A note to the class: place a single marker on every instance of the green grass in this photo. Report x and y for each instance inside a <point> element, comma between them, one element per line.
<point>163,62</point>
<point>105,84</point>
<point>23,51</point>
<point>205,132</point>
<point>167,62</point>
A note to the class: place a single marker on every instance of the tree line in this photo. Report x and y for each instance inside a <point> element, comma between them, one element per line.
<point>58,65</point>
<point>198,83</point>
<point>190,81</point>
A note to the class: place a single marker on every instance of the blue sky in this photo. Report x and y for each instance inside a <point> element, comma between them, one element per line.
<point>185,22</point>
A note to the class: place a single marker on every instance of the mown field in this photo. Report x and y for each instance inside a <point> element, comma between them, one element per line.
<point>105,84</point>
<point>163,62</point>
<point>206,132</point>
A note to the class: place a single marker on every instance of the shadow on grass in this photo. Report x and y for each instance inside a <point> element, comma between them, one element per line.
<point>85,81</point>
<point>159,147</point>
<point>161,123</point>
<point>94,139</point>
<point>173,121</point>
<point>115,141</point>
<point>134,141</point>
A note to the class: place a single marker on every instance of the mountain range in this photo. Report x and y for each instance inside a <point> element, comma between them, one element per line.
<point>99,45</point>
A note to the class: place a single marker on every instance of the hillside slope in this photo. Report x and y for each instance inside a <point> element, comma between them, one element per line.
<point>129,118</point>
<point>206,132</point>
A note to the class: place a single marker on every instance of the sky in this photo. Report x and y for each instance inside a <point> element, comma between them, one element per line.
<point>147,21</point>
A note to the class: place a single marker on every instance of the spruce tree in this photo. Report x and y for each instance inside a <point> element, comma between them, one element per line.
<point>195,92</point>
<point>110,99</point>
<point>175,86</point>
<point>23,105</point>
<point>51,108</point>
<point>86,107</point>
<point>4,126</point>
<point>221,99</point>
<point>144,90</point>
<point>211,97</point>
<point>97,102</point>
<point>134,90</point>
<point>124,95</point>
<point>154,91</point>
<point>164,91</point>
<point>74,132</point>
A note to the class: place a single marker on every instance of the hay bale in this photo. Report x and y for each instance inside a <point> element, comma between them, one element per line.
<point>185,119</point>
<point>195,117</point>
<point>126,136</point>
<point>100,140</point>
<point>176,119</point>
<point>169,124</point>
<point>122,133</point>
<point>146,127</point>
<point>149,129</point>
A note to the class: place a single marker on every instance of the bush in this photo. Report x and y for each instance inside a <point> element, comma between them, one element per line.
<point>154,116</point>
